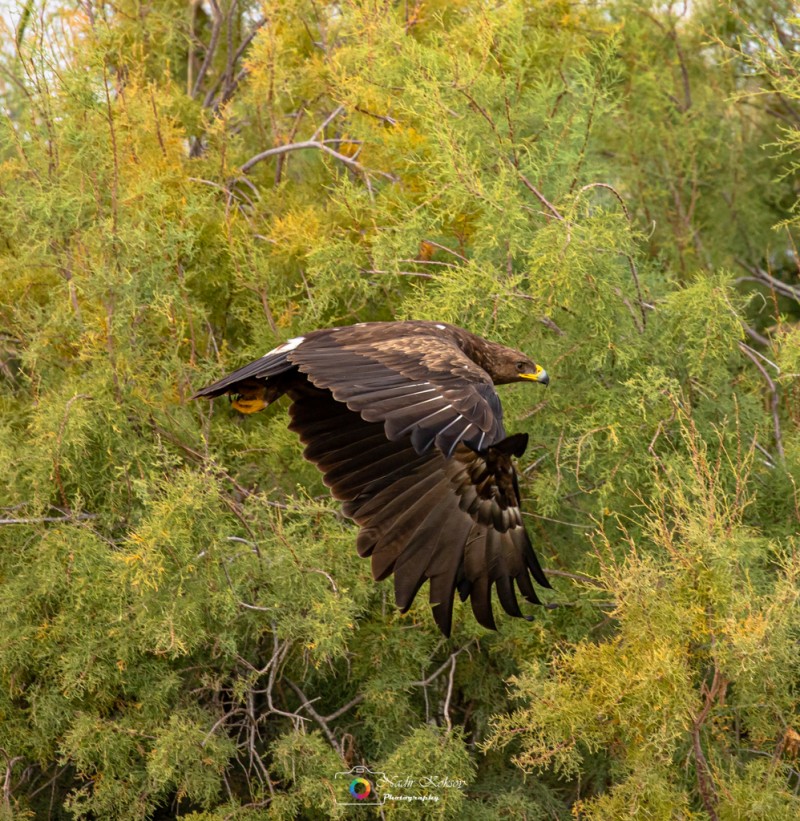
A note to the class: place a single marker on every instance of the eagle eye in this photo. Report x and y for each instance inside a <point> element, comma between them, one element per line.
<point>520,366</point>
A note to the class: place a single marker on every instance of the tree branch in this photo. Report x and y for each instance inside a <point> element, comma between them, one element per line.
<point>212,47</point>
<point>230,81</point>
<point>775,401</point>
<point>539,196</point>
<point>705,783</point>
<point>72,517</point>
<point>307,706</point>
<point>760,275</point>
<point>319,146</point>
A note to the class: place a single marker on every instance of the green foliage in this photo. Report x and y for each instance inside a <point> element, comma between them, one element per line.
<point>187,630</point>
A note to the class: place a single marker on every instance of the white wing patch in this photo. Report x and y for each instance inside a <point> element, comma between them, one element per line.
<point>289,345</point>
<point>441,327</point>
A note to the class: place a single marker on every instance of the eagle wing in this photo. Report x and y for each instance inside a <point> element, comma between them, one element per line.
<point>422,387</point>
<point>456,522</point>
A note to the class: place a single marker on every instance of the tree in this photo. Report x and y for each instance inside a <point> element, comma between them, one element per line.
<point>610,187</point>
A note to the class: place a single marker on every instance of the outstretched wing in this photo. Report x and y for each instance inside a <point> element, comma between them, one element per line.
<point>455,522</point>
<point>420,386</point>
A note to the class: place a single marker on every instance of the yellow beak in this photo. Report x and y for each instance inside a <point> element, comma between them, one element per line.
<point>539,375</point>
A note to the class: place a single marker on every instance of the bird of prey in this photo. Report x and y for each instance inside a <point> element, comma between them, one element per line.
<point>404,422</point>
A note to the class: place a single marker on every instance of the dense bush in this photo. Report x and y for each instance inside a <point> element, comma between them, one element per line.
<point>610,186</point>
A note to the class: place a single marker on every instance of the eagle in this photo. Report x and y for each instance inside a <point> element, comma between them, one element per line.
<point>403,421</point>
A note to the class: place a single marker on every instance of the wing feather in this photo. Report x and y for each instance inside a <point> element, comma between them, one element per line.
<point>423,517</point>
<point>402,381</point>
<point>271,364</point>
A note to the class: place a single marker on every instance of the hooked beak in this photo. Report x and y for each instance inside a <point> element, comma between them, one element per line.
<point>539,375</point>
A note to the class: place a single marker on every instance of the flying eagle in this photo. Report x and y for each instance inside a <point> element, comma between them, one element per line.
<point>404,422</point>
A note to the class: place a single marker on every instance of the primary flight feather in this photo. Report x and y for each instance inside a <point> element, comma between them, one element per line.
<point>403,420</point>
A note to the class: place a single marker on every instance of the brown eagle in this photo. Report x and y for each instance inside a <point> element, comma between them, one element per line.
<point>403,420</point>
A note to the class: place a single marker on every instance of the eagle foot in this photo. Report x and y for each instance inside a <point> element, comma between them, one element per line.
<point>250,402</point>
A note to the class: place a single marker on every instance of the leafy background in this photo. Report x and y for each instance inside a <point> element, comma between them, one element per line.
<point>611,186</point>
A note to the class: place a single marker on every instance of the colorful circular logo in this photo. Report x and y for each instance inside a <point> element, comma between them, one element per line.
<point>360,788</point>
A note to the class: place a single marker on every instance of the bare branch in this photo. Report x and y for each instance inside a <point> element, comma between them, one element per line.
<point>439,670</point>
<point>608,188</point>
<point>328,120</point>
<point>212,47</point>
<point>705,784</point>
<point>760,275</point>
<point>541,197</point>
<point>549,323</point>
<point>776,422</point>
<point>218,723</point>
<point>72,517</point>
<point>342,710</point>
<point>445,248</point>
<point>319,146</point>
<point>10,763</point>
<point>430,262</point>
<point>449,695</point>
<point>307,706</point>
<point>397,273</point>
<point>578,577</point>
<point>755,335</point>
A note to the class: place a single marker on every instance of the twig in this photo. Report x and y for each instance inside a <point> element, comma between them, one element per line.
<point>430,262</point>
<point>578,577</point>
<point>320,146</point>
<point>608,188</point>
<point>627,303</point>
<point>212,47</point>
<point>539,196</point>
<point>307,706</point>
<point>398,273</point>
<point>549,323</point>
<point>760,275</point>
<point>52,781</point>
<point>776,422</point>
<point>767,460</point>
<point>558,521</point>
<point>439,670</point>
<point>241,603</point>
<point>449,695</point>
<point>342,710</point>
<point>41,519</point>
<point>651,446</point>
<point>278,655</point>
<point>328,120</point>
<point>761,357</point>
<point>445,248</point>
<point>255,607</point>
<point>326,575</point>
<point>705,784</point>
<point>231,84</point>
<point>219,723</point>
<point>755,335</point>
<point>10,762</point>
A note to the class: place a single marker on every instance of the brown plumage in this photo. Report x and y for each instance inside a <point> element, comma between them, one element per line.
<point>403,420</point>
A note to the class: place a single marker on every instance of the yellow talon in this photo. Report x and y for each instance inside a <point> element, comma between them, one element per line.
<point>252,403</point>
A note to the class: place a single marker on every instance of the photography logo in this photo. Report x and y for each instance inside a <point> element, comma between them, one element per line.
<point>362,787</point>
<point>359,787</point>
